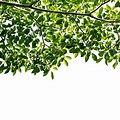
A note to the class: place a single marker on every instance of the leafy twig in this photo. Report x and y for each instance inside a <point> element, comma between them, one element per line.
<point>99,6</point>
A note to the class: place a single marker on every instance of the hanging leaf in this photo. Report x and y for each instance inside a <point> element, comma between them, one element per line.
<point>94,57</point>
<point>55,68</point>
<point>68,57</point>
<point>66,63</point>
<point>52,75</point>
<point>87,56</point>
<point>76,55</point>
<point>98,60</point>
<point>115,64</point>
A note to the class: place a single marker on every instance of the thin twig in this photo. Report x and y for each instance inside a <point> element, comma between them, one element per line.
<point>99,6</point>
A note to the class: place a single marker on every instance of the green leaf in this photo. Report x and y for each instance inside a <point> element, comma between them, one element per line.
<point>96,2</point>
<point>1,68</point>
<point>66,24</point>
<point>59,21</point>
<point>115,64</point>
<point>83,53</point>
<point>34,44</point>
<point>55,68</point>
<point>46,71</point>
<point>108,7</point>
<point>68,57</point>
<point>106,56</point>
<point>27,31</point>
<point>3,32</point>
<point>94,57</point>
<point>23,1</point>
<point>101,53</point>
<point>4,7</point>
<point>22,40</point>
<point>117,4</point>
<point>81,45</point>
<point>98,60</point>
<point>76,55</point>
<point>7,70</point>
<point>101,10</point>
<point>35,70</point>
<point>87,56</point>
<point>2,55</point>
<point>52,75</point>
<point>41,18</point>
<point>66,63</point>
<point>59,63</point>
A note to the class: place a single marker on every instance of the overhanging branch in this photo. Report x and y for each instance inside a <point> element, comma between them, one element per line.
<point>52,11</point>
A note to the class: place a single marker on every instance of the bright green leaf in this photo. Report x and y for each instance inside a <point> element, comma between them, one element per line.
<point>68,57</point>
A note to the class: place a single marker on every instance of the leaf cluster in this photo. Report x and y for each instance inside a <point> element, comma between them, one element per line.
<point>38,35</point>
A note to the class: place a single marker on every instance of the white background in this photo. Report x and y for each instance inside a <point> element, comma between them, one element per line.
<point>82,91</point>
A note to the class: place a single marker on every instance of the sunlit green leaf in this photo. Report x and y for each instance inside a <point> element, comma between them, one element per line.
<point>68,57</point>
<point>55,68</point>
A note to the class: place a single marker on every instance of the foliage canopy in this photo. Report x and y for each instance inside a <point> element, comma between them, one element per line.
<point>38,34</point>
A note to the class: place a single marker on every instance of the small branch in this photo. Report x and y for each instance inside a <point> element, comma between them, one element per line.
<point>99,6</point>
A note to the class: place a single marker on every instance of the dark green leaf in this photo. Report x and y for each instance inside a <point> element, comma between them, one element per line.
<point>106,56</point>
<point>94,57</point>
<point>98,60</point>
<point>115,64</point>
<point>117,4</point>
<point>87,56</point>
<point>66,24</point>
<point>59,21</point>
<point>27,31</point>
<point>52,75</point>
<point>7,70</point>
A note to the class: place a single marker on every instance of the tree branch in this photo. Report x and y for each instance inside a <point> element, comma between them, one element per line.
<point>60,12</point>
